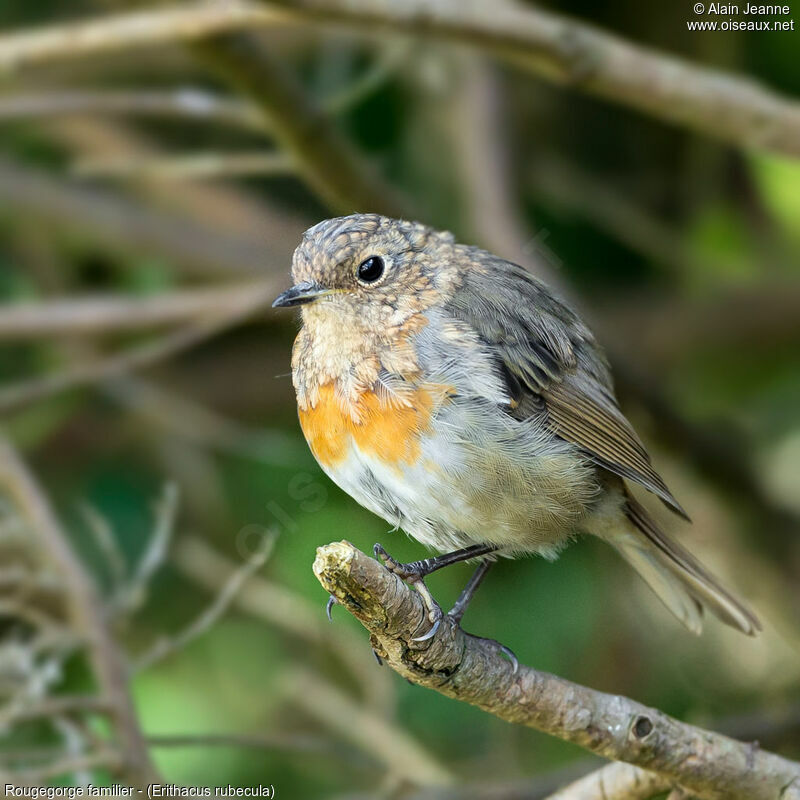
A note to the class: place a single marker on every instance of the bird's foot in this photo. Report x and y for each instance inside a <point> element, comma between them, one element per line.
<point>414,573</point>
<point>457,612</point>
<point>506,651</point>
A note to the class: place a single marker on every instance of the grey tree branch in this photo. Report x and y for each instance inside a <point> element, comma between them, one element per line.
<point>105,656</point>
<point>133,358</point>
<point>117,313</point>
<point>367,722</point>
<point>289,612</point>
<point>104,34</point>
<point>732,108</point>
<point>472,670</point>
<point>618,781</point>
<point>186,103</point>
<point>566,51</point>
<point>400,753</point>
<point>167,646</point>
<point>202,166</point>
<point>324,158</point>
<point>190,102</point>
<point>119,222</point>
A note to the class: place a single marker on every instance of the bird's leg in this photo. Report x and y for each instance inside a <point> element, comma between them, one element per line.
<point>464,599</point>
<point>420,569</point>
<point>416,571</point>
<point>457,611</point>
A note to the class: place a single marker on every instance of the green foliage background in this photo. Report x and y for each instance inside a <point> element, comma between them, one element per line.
<point>701,298</point>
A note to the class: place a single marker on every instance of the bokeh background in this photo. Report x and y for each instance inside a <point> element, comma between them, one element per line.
<point>150,200</point>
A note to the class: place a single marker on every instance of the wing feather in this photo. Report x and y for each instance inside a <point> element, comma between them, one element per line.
<point>549,358</point>
<point>597,425</point>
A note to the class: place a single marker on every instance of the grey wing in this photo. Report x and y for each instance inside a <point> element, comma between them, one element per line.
<point>550,361</point>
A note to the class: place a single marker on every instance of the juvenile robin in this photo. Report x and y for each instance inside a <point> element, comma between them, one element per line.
<point>451,393</point>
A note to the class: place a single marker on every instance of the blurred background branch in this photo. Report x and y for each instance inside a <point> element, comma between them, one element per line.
<point>86,617</point>
<point>325,159</point>
<point>554,47</point>
<point>618,780</point>
<point>101,316</point>
<point>188,104</point>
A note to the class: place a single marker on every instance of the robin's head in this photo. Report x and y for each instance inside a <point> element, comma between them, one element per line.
<point>369,268</point>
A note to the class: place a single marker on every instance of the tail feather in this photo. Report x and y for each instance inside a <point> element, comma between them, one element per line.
<point>677,577</point>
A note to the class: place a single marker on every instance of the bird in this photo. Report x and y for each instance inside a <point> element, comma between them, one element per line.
<point>452,393</point>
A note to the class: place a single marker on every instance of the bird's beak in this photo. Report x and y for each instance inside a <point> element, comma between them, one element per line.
<point>304,292</point>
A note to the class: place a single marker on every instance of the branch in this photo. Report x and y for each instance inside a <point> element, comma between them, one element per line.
<point>114,32</point>
<point>466,668</point>
<point>488,180</point>
<point>617,780</point>
<point>324,158</point>
<point>194,166</point>
<point>289,612</point>
<point>107,661</point>
<point>367,721</point>
<point>398,751</point>
<point>201,624</point>
<point>120,313</point>
<point>186,103</point>
<point>130,226</point>
<point>186,419</point>
<point>131,593</point>
<point>734,109</point>
<point>190,102</point>
<point>151,352</point>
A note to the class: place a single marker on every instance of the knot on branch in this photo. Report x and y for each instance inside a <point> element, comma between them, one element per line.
<point>642,728</point>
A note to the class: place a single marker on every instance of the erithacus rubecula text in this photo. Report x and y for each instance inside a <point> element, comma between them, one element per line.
<point>450,392</point>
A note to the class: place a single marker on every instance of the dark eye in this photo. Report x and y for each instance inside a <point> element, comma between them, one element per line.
<point>371,269</point>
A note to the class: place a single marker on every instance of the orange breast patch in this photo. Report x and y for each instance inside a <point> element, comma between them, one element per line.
<point>389,433</point>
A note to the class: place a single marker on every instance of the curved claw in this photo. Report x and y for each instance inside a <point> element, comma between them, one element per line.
<point>414,576</point>
<point>509,654</point>
<point>431,633</point>
<point>332,601</point>
<point>379,551</point>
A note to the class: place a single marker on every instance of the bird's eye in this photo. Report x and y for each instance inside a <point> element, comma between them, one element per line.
<point>371,269</point>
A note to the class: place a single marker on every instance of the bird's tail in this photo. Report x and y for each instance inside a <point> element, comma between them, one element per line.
<point>676,576</point>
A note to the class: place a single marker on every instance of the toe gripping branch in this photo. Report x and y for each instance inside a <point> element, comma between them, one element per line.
<point>414,574</point>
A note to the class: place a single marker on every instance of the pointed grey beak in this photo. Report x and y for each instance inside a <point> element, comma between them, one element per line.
<point>305,292</point>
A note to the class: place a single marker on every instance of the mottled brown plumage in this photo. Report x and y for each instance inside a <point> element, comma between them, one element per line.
<point>452,393</point>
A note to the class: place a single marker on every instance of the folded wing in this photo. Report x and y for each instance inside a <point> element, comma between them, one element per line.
<point>550,361</point>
